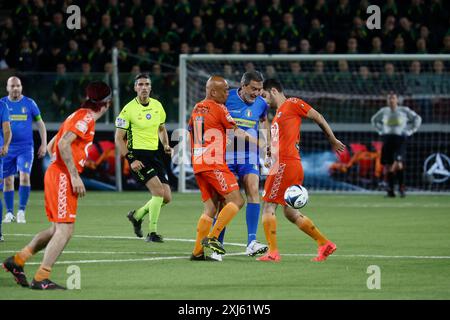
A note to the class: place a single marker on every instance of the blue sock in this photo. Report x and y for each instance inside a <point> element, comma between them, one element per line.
<point>24,194</point>
<point>252,217</point>
<point>9,200</point>
<point>222,234</point>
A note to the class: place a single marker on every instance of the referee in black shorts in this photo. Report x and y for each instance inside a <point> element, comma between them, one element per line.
<point>395,124</point>
<point>139,127</point>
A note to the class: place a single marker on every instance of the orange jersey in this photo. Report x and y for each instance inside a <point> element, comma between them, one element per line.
<point>82,124</point>
<point>207,125</point>
<point>285,129</point>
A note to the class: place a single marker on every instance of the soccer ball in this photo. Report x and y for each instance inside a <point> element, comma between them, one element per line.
<point>296,196</point>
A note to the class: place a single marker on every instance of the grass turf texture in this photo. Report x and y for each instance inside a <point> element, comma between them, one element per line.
<point>395,234</point>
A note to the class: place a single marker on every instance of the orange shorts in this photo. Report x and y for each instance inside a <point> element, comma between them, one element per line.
<point>287,174</point>
<point>60,201</point>
<point>216,182</point>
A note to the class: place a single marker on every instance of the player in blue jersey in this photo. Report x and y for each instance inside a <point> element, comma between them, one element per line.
<point>23,111</point>
<point>5,140</point>
<point>249,110</point>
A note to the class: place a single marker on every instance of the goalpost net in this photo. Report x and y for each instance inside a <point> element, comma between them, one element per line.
<point>348,90</point>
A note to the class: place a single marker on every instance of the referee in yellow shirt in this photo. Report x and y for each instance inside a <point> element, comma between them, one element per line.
<point>139,127</point>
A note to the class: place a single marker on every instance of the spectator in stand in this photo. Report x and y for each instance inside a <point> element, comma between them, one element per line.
<point>421,46</point>
<point>251,13</point>
<point>243,36</point>
<point>376,46</point>
<point>399,45</point>
<point>221,38</point>
<point>260,48</point>
<point>330,47</point>
<point>98,56</point>
<point>300,12</point>
<point>106,31</point>
<point>352,46</point>
<point>266,34</point>
<point>61,91</point>
<point>275,12</point>
<point>150,35</point>
<point>446,43</point>
<point>416,83</point>
<point>289,31</point>
<point>74,57</point>
<point>26,60</point>
<point>196,35</point>
<point>305,48</point>
<point>390,79</point>
<point>316,35</point>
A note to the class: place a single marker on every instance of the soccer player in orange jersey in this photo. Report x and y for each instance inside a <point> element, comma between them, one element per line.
<point>207,125</point>
<point>287,168</point>
<point>63,186</point>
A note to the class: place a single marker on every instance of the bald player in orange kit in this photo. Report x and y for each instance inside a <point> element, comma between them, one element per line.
<point>208,125</point>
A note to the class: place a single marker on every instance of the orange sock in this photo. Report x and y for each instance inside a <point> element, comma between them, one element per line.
<point>203,227</point>
<point>225,216</point>
<point>42,273</point>
<point>270,229</point>
<point>307,226</point>
<point>22,256</point>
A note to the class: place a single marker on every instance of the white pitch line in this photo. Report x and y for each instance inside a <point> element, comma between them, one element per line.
<point>121,237</point>
<point>226,243</point>
<point>102,252</point>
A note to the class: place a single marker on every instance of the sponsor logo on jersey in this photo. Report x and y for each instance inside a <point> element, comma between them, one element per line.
<point>81,126</point>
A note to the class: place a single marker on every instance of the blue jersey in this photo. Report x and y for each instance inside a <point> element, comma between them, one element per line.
<point>247,117</point>
<point>4,117</point>
<point>22,113</point>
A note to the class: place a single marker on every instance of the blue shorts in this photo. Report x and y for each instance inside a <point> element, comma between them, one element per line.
<point>240,170</point>
<point>18,159</point>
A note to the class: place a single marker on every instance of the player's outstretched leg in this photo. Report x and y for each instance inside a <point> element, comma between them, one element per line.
<point>325,246</point>
<point>10,265</point>
<point>61,236</point>
<point>16,264</point>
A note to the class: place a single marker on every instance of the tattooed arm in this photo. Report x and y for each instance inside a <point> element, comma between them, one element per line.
<point>65,150</point>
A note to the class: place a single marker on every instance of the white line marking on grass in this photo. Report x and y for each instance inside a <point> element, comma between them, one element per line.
<point>122,237</point>
<point>102,252</point>
<point>226,243</point>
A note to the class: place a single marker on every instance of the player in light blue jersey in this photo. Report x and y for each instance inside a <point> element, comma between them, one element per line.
<point>23,111</point>
<point>5,140</point>
<point>249,110</point>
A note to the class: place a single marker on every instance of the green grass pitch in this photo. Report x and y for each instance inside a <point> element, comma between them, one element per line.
<point>408,239</point>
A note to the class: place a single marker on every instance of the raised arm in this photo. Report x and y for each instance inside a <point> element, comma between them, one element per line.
<point>337,145</point>
<point>65,150</point>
